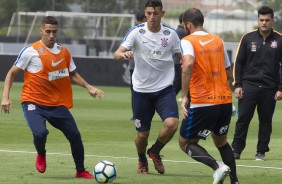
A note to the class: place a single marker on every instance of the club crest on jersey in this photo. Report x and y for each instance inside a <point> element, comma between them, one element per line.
<point>274,44</point>
<point>253,47</point>
<point>40,50</point>
<point>166,32</point>
<point>142,31</point>
<point>164,42</point>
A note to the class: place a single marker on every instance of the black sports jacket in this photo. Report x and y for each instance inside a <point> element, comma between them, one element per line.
<point>258,61</point>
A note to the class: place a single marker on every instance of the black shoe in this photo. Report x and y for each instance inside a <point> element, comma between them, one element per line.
<point>236,156</point>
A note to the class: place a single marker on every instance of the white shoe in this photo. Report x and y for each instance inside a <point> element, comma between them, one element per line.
<point>220,174</point>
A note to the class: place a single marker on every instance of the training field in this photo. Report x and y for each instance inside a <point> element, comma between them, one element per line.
<point>108,134</point>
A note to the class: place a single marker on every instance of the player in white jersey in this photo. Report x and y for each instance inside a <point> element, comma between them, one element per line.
<point>152,45</point>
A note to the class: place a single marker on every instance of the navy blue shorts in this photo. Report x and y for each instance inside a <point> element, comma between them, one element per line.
<point>201,120</point>
<point>59,117</point>
<point>145,105</point>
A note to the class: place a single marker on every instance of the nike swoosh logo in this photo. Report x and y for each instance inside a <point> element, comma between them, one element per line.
<point>56,63</point>
<point>206,42</point>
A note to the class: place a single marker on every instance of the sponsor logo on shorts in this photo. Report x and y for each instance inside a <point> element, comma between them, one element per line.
<point>223,129</point>
<point>203,134</point>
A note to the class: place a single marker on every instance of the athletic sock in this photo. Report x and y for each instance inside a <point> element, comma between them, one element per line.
<point>228,159</point>
<point>157,147</point>
<point>199,154</point>
<point>142,157</point>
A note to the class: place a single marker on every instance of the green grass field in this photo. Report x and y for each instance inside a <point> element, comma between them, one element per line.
<point>108,134</point>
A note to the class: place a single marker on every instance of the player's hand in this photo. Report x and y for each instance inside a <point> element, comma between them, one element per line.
<point>94,92</point>
<point>127,55</point>
<point>184,105</point>
<point>278,95</point>
<point>6,105</point>
<point>238,92</point>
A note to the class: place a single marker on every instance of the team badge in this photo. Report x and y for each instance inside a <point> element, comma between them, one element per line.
<point>40,50</point>
<point>137,123</point>
<point>142,31</point>
<point>274,44</point>
<point>253,47</point>
<point>31,107</point>
<point>166,32</point>
<point>164,42</point>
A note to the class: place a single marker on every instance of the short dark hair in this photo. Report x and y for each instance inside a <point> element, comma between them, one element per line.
<point>154,4</point>
<point>49,20</point>
<point>194,16</point>
<point>140,16</point>
<point>264,10</point>
<point>180,18</point>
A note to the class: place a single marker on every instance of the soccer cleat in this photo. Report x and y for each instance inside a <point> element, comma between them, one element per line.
<point>41,162</point>
<point>142,168</point>
<point>260,157</point>
<point>157,161</point>
<point>84,174</point>
<point>220,174</point>
<point>237,156</point>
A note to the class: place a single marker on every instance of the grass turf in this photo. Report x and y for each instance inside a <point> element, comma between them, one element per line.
<point>108,134</point>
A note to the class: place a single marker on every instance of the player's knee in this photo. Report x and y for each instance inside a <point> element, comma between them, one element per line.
<point>39,135</point>
<point>171,124</point>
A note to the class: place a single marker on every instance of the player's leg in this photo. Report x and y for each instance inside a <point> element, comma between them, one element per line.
<point>61,118</point>
<point>37,124</point>
<point>246,108</point>
<point>144,111</point>
<point>266,106</point>
<point>219,135</point>
<point>166,106</point>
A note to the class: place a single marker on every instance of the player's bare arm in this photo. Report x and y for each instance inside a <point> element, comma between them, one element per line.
<point>6,103</point>
<point>187,67</point>
<point>93,91</point>
<point>123,53</point>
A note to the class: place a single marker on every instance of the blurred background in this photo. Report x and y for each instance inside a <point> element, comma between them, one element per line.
<point>95,28</point>
<point>98,26</point>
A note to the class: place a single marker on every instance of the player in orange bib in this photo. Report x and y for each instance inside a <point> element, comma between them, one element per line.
<point>205,71</point>
<point>47,94</point>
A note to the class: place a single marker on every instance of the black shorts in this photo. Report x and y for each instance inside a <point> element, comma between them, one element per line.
<point>201,120</point>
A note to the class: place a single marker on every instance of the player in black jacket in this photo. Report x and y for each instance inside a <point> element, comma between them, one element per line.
<point>257,82</point>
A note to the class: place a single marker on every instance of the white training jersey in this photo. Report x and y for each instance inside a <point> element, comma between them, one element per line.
<point>154,65</point>
<point>29,59</point>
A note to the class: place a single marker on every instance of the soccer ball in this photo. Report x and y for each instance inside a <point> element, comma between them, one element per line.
<point>105,172</point>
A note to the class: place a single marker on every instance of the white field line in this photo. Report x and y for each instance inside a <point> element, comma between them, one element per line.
<point>130,158</point>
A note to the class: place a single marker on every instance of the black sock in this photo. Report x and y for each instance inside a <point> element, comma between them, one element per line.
<point>156,148</point>
<point>228,159</point>
<point>142,157</point>
<point>199,154</point>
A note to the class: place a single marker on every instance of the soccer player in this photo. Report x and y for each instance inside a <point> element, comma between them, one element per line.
<point>152,44</point>
<point>47,93</point>
<point>205,72</point>
<point>257,82</point>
